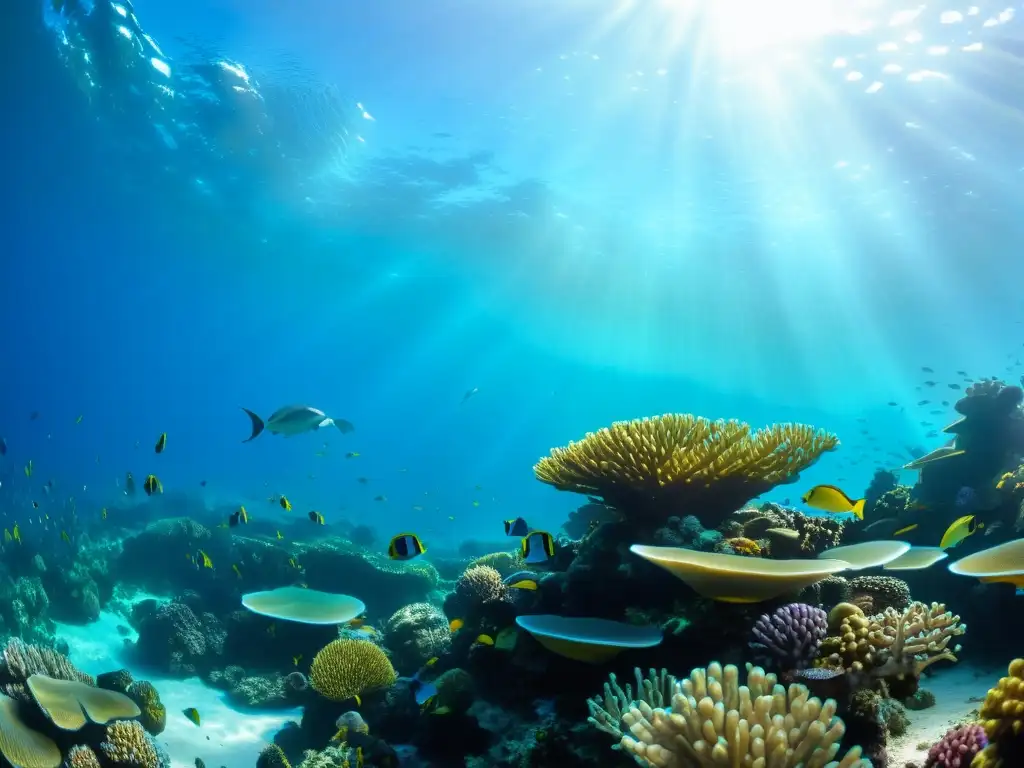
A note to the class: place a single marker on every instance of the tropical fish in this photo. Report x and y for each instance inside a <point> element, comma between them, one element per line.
<point>103,513</point>
<point>405,546</point>
<point>382,497</point>
<point>905,529</point>
<point>294,420</point>
<point>285,504</point>
<point>280,536</point>
<point>192,714</point>
<point>829,498</point>
<point>296,660</point>
<point>316,517</point>
<point>538,547</point>
<point>959,530</point>
<point>517,527</point>
<point>528,584</point>
<point>16,533</point>
<point>64,537</point>
<point>351,455</point>
<point>28,469</point>
<point>455,625</point>
<point>161,443</point>
<point>35,505</point>
<point>152,485</point>
<point>292,563</point>
<point>926,369</point>
<point>238,517</point>
<point>7,536</point>
<point>129,484</point>
<point>484,640</point>
<point>236,569</point>
<point>203,560</point>
<point>469,394</point>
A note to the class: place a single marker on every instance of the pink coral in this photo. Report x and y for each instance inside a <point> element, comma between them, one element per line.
<point>957,748</point>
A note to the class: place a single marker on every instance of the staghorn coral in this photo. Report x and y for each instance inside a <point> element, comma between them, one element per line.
<point>957,748</point>
<point>890,644</point>
<point>347,668</point>
<point>791,636</point>
<point>127,744</point>
<point>154,713</point>
<point>1002,717</point>
<point>715,721</point>
<point>81,756</point>
<point>415,633</point>
<point>881,592</point>
<point>480,585</point>
<point>651,468</point>
<point>272,756</point>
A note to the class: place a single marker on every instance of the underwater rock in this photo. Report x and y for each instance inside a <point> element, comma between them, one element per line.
<point>174,640</point>
<point>875,594</point>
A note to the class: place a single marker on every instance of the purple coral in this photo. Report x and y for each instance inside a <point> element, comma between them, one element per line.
<point>791,637</point>
<point>957,748</point>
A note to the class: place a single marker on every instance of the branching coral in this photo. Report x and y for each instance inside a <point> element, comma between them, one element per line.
<point>714,721</point>
<point>606,711</point>
<point>651,468</point>
<point>347,668</point>
<point>1002,717</point>
<point>890,644</point>
<point>791,636</point>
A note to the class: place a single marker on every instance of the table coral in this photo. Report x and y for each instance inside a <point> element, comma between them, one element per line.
<point>651,468</point>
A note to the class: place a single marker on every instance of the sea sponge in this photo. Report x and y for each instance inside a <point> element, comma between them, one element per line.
<point>791,636</point>
<point>127,744</point>
<point>272,756</point>
<point>479,585</point>
<point>1002,717</point>
<point>154,713</point>
<point>883,592</point>
<point>346,668</point>
<point>81,756</point>
<point>714,721</point>
<point>680,463</point>
<point>957,748</point>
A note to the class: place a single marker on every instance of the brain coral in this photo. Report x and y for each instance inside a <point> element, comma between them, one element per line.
<point>347,668</point>
<point>154,714</point>
<point>416,633</point>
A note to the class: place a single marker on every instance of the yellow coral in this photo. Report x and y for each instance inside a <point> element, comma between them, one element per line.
<point>347,668</point>
<point>272,756</point>
<point>682,459</point>
<point>1002,716</point>
<point>127,744</point>
<point>714,721</point>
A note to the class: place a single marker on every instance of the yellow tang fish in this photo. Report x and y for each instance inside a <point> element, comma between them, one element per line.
<point>829,498</point>
<point>959,530</point>
<point>235,568</point>
<point>192,714</point>
<point>161,443</point>
<point>455,625</point>
<point>484,640</point>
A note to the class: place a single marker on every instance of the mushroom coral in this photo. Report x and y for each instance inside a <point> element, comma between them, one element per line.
<point>714,721</point>
<point>679,464</point>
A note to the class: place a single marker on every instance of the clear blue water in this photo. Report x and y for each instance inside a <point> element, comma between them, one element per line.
<point>590,212</point>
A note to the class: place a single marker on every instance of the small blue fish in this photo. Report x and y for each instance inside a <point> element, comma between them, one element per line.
<point>538,547</point>
<point>517,527</point>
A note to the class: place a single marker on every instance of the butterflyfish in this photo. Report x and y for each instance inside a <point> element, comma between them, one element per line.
<point>152,485</point>
<point>161,443</point>
<point>405,546</point>
<point>238,517</point>
<point>285,504</point>
<point>517,527</point>
<point>538,547</point>
<point>316,517</point>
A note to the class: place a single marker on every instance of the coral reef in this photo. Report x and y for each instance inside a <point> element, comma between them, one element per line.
<point>174,639</point>
<point>875,594</point>
<point>1002,717</point>
<point>127,744</point>
<point>414,634</point>
<point>790,638</point>
<point>652,468</point>
<point>958,747</point>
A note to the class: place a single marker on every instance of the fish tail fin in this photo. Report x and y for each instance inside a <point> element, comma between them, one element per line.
<point>858,509</point>
<point>344,426</point>
<point>257,425</point>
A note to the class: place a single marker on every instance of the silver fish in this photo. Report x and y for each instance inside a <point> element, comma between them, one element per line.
<point>295,420</point>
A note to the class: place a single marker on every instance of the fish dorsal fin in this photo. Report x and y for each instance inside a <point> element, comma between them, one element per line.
<point>952,428</point>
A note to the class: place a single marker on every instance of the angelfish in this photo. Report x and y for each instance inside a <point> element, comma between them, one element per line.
<point>295,420</point>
